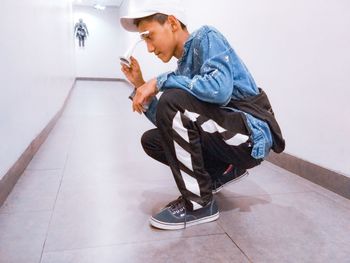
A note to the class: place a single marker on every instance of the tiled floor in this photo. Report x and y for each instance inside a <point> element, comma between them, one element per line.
<point>87,195</point>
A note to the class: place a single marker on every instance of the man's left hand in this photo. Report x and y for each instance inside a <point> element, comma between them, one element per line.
<point>144,94</point>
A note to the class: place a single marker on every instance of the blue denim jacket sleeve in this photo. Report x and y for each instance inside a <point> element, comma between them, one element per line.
<point>151,111</point>
<point>214,80</point>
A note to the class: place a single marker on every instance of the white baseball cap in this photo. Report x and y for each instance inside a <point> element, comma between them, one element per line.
<point>151,7</point>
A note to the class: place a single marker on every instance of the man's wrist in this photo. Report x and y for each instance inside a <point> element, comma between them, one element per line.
<point>154,83</point>
<point>139,84</point>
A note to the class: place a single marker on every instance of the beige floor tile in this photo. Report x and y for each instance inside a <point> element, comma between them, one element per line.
<point>299,227</point>
<point>263,180</point>
<point>65,126</point>
<point>52,155</point>
<point>212,248</point>
<point>312,186</point>
<point>124,173</point>
<point>98,99</point>
<point>22,236</point>
<point>106,214</point>
<point>34,191</point>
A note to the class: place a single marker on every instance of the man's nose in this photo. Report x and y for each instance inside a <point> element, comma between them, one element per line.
<point>150,47</point>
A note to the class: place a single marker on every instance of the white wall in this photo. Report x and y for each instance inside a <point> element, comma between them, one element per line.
<point>36,70</point>
<point>298,51</point>
<point>105,43</point>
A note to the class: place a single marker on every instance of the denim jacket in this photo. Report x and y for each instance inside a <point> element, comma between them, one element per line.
<point>211,71</point>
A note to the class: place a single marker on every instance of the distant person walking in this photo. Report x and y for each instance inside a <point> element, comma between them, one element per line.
<point>81,32</point>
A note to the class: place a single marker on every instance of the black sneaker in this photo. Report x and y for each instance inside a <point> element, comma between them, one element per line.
<point>176,216</point>
<point>232,174</point>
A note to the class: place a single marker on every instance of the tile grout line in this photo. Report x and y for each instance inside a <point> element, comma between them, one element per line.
<point>26,212</point>
<point>53,209</point>
<point>133,243</point>
<point>42,169</point>
<point>234,242</point>
<point>267,194</point>
<point>225,233</point>
<point>238,247</point>
<point>58,191</point>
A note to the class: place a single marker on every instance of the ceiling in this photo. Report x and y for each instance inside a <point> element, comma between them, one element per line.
<point>115,3</point>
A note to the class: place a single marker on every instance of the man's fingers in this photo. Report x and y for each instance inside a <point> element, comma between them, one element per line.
<point>127,71</point>
<point>134,62</point>
<point>124,67</point>
<point>138,102</point>
<point>137,108</point>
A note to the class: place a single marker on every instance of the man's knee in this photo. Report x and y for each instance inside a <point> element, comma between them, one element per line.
<point>152,145</point>
<point>146,140</point>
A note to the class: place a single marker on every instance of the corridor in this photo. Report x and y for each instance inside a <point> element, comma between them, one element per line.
<point>89,191</point>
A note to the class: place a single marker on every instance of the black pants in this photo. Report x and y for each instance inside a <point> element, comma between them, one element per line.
<point>197,140</point>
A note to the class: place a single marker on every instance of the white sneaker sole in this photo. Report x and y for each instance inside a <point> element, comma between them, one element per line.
<point>174,226</point>
<point>230,182</point>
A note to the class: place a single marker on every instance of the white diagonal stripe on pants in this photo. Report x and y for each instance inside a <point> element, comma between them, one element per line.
<point>179,127</point>
<point>183,156</point>
<point>191,115</point>
<point>211,126</point>
<point>237,139</point>
<point>191,183</point>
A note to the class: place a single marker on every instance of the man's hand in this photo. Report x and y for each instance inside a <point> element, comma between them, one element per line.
<point>144,94</point>
<point>133,74</point>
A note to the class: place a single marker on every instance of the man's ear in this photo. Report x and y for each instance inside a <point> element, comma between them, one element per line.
<point>174,23</point>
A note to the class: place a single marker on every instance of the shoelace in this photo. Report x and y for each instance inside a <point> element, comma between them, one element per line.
<point>175,201</point>
<point>177,206</point>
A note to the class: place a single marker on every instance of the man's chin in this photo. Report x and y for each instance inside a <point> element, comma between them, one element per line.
<point>165,60</point>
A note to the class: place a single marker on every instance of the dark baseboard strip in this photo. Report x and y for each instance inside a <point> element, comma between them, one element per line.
<point>8,181</point>
<point>328,179</point>
<point>101,79</point>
